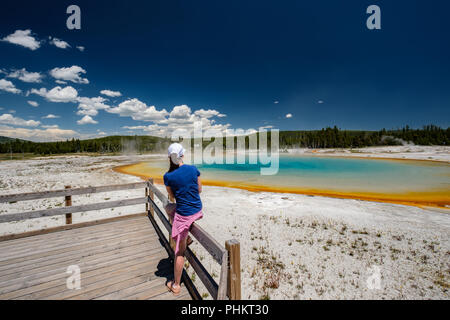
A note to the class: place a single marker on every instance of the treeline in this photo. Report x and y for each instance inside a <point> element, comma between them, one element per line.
<point>325,138</point>
<point>112,144</point>
<point>335,138</point>
<point>429,135</point>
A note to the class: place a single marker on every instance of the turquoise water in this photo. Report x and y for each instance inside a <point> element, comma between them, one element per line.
<point>363,175</point>
<point>306,174</point>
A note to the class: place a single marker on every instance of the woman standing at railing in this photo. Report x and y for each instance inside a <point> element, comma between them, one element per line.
<point>182,183</point>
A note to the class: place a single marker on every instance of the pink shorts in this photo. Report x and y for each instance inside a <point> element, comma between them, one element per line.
<point>181,225</point>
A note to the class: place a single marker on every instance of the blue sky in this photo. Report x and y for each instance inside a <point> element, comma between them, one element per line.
<point>229,64</point>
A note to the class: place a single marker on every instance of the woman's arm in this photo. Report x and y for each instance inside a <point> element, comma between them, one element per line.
<point>170,192</point>
<point>199,181</point>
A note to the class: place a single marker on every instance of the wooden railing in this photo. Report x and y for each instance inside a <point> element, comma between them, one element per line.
<point>228,257</point>
<point>68,192</point>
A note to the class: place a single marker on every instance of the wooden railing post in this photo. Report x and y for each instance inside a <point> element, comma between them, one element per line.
<point>68,204</point>
<point>234,269</point>
<point>152,196</point>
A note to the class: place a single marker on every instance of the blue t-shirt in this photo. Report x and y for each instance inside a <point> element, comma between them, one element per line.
<point>184,184</point>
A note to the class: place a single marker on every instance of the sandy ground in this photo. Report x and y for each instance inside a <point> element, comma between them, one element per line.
<point>292,246</point>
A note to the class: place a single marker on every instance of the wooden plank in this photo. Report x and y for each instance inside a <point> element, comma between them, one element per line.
<point>164,199</point>
<point>47,233</point>
<point>68,201</point>
<point>59,280</point>
<point>38,284</point>
<point>80,252</point>
<point>103,280</point>
<point>62,234</point>
<point>62,237</point>
<point>234,269</point>
<point>85,256</point>
<point>13,257</point>
<point>78,234</point>
<point>54,279</point>
<point>140,282</point>
<point>151,194</point>
<point>84,264</point>
<point>170,296</point>
<point>10,255</point>
<point>223,281</point>
<point>68,245</point>
<point>121,279</point>
<point>148,294</point>
<point>63,267</point>
<point>136,285</point>
<point>183,296</point>
<point>69,192</point>
<point>91,283</point>
<point>81,208</point>
<point>122,240</point>
<point>208,242</point>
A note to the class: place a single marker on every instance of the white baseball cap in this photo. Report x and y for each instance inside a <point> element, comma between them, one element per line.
<point>175,151</point>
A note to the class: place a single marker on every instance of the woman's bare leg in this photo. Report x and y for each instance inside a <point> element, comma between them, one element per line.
<point>179,262</point>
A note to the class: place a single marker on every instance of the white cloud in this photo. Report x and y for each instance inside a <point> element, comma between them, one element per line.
<point>136,127</point>
<point>276,102</point>
<point>59,43</point>
<point>58,94</point>
<point>110,93</point>
<point>81,48</point>
<point>9,119</point>
<point>23,38</point>
<point>289,115</point>
<point>60,82</point>
<point>8,86</point>
<point>72,73</point>
<point>51,116</point>
<point>53,126</point>
<point>320,101</point>
<point>180,112</point>
<point>138,110</point>
<point>90,106</point>
<point>153,129</point>
<point>209,113</point>
<point>33,103</point>
<point>25,76</point>
<point>181,117</point>
<point>49,134</point>
<point>86,120</point>
<point>87,112</point>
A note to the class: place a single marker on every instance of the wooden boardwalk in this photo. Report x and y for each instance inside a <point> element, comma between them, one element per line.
<point>122,259</point>
<point>127,257</point>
